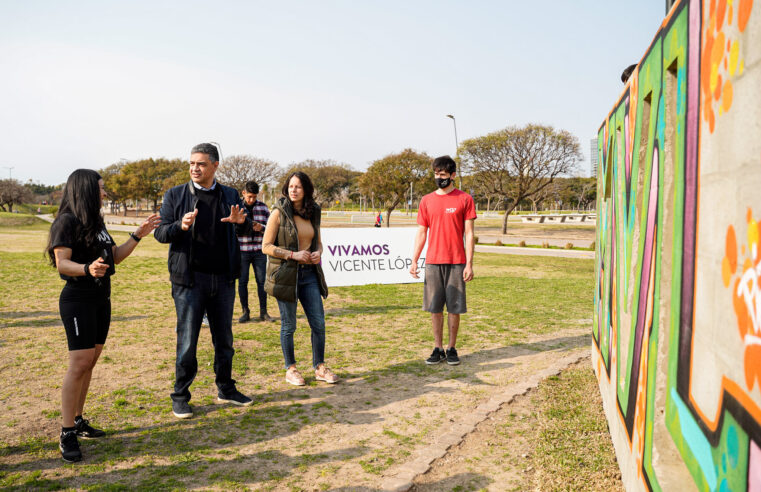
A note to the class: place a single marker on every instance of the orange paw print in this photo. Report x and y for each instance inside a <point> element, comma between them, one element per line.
<point>746,294</point>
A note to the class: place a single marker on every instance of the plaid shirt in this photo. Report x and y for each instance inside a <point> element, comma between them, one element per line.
<point>257,213</point>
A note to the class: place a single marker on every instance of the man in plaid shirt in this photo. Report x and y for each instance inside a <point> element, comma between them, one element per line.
<point>251,253</point>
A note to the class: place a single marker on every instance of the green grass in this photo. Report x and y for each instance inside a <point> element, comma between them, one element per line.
<point>22,221</point>
<point>570,418</point>
<point>377,336</point>
<point>31,208</point>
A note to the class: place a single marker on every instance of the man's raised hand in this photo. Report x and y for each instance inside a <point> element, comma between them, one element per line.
<point>188,219</point>
<point>237,215</point>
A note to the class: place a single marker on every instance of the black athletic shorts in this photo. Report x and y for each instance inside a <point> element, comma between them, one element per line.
<point>86,315</point>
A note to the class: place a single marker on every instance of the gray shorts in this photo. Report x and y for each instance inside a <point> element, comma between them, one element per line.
<point>444,285</point>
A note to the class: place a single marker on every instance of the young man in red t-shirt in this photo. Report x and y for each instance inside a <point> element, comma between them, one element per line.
<point>445,216</point>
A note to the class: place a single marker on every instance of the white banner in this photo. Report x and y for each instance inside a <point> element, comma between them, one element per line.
<point>369,255</point>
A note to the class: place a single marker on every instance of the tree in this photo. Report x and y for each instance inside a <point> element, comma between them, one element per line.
<point>332,181</point>
<point>389,178</point>
<point>41,193</point>
<point>237,170</point>
<point>116,186</point>
<point>516,163</point>
<point>142,179</point>
<point>39,188</point>
<point>585,191</point>
<point>146,177</point>
<point>13,192</point>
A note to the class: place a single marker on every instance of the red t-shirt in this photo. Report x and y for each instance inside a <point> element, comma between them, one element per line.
<point>445,216</point>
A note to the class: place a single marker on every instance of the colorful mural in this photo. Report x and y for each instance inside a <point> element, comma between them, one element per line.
<point>677,322</point>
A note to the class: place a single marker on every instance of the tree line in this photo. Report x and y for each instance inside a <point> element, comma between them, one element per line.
<point>530,167</point>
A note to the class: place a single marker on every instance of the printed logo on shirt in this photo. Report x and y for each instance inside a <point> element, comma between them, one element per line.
<point>103,236</point>
<point>451,210</point>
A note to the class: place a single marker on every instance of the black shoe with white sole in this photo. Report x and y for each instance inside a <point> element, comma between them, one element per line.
<point>452,358</point>
<point>436,356</point>
<point>69,446</point>
<point>236,398</point>
<point>181,409</point>
<point>84,429</point>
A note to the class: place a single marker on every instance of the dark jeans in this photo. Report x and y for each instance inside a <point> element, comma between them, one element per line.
<point>259,262</point>
<point>308,291</point>
<point>214,295</point>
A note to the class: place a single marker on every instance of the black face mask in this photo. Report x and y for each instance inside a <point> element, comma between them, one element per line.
<point>443,182</point>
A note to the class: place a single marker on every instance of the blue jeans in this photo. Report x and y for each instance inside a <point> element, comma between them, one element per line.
<point>308,292</point>
<point>259,262</point>
<point>214,295</point>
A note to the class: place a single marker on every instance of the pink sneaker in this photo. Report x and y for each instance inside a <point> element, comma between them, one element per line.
<point>322,373</point>
<point>294,377</point>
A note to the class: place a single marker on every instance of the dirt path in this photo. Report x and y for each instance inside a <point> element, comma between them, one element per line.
<point>453,460</point>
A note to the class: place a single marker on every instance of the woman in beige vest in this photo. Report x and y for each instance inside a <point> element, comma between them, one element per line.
<point>292,243</point>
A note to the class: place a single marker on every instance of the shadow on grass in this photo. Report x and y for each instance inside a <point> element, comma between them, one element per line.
<point>367,310</point>
<point>14,319</point>
<point>129,318</point>
<point>27,314</point>
<point>272,416</point>
<point>32,323</point>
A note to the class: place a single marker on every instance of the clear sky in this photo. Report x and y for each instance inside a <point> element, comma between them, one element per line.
<point>86,83</point>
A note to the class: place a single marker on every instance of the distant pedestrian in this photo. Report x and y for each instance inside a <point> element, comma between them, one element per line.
<point>292,242</point>
<point>200,220</point>
<point>251,252</point>
<point>84,253</point>
<point>378,220</point>
<point>446,217</point>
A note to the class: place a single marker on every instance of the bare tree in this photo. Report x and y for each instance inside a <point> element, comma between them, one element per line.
<point>13,192</point>
<point>520,162</point>
<point>548,192</point>
<point>332,180</point>
<point>236,170</point>
<point>587,192</point>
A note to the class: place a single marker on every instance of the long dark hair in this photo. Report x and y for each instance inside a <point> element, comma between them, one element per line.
<point>306,184</point>
<point>81,198</point>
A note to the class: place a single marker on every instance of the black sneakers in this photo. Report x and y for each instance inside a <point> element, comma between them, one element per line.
<point>452,358</point>
<point>266,317</point>
<point>84,429</point>
<point>69,446</point>
<point>181,409</point>
<point>436,356</point>
<point>236,398</point>
<point>245,317</point>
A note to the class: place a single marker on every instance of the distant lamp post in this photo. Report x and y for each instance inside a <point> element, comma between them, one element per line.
<point>456,148</point>
<point>10,171</point>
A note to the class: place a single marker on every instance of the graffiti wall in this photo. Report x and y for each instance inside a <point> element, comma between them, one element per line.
<point>677,323</point>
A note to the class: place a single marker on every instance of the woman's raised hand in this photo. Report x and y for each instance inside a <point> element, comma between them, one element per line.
<point>151,223</point>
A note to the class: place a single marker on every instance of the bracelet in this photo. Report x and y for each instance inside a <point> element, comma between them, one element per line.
<point>291,255</point>
<point>87,269</point>
<point>135,237</point>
